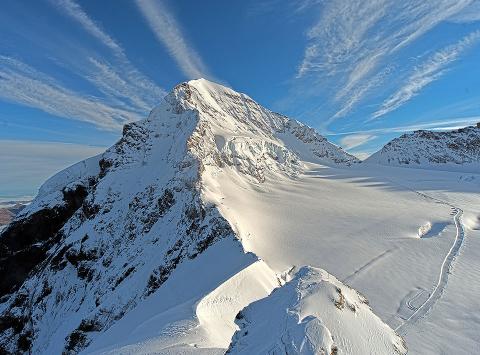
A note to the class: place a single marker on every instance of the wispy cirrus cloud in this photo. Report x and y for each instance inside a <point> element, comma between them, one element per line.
<point>165,27</point>
<point>353,44</point>
<point>22,84</point>
<point>122,93</point>
<point>437,125</point>
<point>359,92</point>
<point>113,84</point>
<point>71,8</point>
<point>355,140</point>
<point>119,79</point>
<point>470,14</point>
<point>427,72</point>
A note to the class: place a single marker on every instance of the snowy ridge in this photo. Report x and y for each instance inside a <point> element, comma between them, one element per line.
<point>313,314</point>
<point>138,215</point>
<point>453,150</point>
<point>112,238</point>
<point>236,131</point>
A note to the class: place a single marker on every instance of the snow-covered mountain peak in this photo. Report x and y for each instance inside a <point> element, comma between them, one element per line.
<point>223,107</point>
<point>447,150</point>
<point>107,233</point>
<point>234,129</point>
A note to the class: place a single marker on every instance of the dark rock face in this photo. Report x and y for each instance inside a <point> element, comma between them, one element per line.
<point>97,257</point>
<point>24,244</point>
<point>165,202</point>
<point>78,340</point>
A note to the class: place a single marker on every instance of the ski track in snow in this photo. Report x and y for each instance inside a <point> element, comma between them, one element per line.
<point>439,288</point>
<point>410,304</point>
<point>366,266</point>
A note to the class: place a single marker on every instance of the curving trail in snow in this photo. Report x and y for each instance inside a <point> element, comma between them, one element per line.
<point>410,304</point>
<point>444,271</point>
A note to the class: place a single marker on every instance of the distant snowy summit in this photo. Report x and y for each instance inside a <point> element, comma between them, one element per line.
<point>450,150</point>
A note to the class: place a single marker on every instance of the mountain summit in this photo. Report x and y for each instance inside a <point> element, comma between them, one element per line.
<point>450,150</point>
<point>233,121</point>
<point>138,250</point>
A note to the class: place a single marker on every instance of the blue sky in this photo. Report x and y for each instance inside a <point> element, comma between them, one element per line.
<point>361,72</point>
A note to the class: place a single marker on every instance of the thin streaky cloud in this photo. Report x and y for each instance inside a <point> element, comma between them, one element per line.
<point>429,71</point>
<point>24,85</point>
<point>356,140</point>
<point>470,14</point>
<point>340,31</point>
<point>430,15</point>
<point>353,41</point>
<point>446,124</point>
<point>112,84</point>
<point>360,91</point>
<point>165,27</point>
<point>74,10</point>
<point>126,81</point>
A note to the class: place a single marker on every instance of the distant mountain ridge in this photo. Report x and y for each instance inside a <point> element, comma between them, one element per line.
<point>446,150</point>
<point>8,211</point>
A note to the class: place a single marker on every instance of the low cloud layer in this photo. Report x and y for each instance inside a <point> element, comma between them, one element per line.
<point>25,165</point>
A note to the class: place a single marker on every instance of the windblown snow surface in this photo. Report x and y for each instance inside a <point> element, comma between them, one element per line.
<point>217,225</point>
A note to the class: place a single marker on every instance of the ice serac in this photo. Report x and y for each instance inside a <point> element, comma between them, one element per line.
<point>115,233</point>
<point>451,150</point>
<point>314,313</point>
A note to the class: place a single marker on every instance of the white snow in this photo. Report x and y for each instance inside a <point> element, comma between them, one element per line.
<point>313,314</point>
<point>457,150</point>
<point>292,199</point>
<point>177,315</point>
<point>424,229</point>
<point>216,312</point>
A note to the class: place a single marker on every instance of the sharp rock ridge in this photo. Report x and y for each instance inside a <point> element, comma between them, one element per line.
<point>105,234</point>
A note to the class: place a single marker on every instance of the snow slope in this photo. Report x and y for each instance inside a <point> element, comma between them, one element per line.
<point>453,150</point>
<point>356,223</point>
<point>452,325</point>
<point>201,210</point>
<point>108,232</point>
<point>313,314</point>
